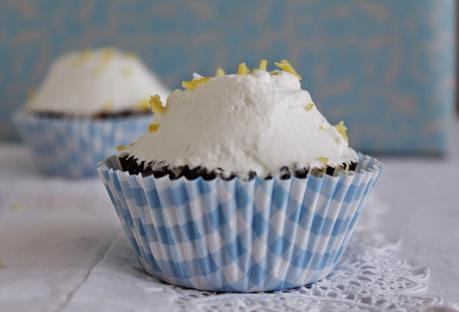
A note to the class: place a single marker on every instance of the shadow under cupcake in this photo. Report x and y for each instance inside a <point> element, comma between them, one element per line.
<point>240,185</point>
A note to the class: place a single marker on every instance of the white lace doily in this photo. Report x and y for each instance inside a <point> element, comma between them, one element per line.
<point>368,278</point>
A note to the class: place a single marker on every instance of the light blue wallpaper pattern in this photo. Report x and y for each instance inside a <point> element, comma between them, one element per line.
<point>385,67</point>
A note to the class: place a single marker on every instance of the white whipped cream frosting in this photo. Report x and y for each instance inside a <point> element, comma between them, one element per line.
<point>242,123</point>
<point>90,82</point>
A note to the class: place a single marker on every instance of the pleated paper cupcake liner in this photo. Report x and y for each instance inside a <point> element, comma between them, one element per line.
<point>72,147</point>
<point>238,235</point>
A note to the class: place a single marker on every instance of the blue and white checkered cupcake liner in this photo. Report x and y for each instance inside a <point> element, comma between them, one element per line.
<point>72,147</point>
<point>238,235</point>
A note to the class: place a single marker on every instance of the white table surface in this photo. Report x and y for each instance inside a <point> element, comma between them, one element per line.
<point>423,197</point>
<point>53,232</point>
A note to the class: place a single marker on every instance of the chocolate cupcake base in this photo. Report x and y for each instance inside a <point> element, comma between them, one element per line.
<point>98,116</point>
<point>133,166</point>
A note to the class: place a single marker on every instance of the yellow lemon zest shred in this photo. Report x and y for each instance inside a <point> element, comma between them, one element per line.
<point>143,105</point>
<point>242,69</point>
<point>153,127</point>
<point>120,148</point>
<point>106,54</point>
<point>188,84</point>
<point>156,104</point>
<point>82,57</point>
<point>342,129</point>
<point>127,72</point>
<point>323,160</point>
<point>263,65</point>
<point>220,72</point>
<point>193,84</point>
<point>107,106</point>
<point>309,106</point>
<point>286,66</point>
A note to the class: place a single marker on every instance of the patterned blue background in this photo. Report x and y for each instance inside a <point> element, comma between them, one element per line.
<point>385,67</point>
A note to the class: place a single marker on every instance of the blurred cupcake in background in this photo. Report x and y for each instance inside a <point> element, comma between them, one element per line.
<point>89,102</point>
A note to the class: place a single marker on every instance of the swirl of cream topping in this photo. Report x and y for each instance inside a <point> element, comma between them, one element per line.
<point>256,122</point>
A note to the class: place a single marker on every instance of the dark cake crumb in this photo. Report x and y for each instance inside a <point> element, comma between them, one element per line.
<point>131,165</point>
<point>99,116</point>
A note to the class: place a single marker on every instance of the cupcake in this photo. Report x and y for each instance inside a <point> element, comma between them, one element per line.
<point>88,101</point>
<point>240,184</point>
